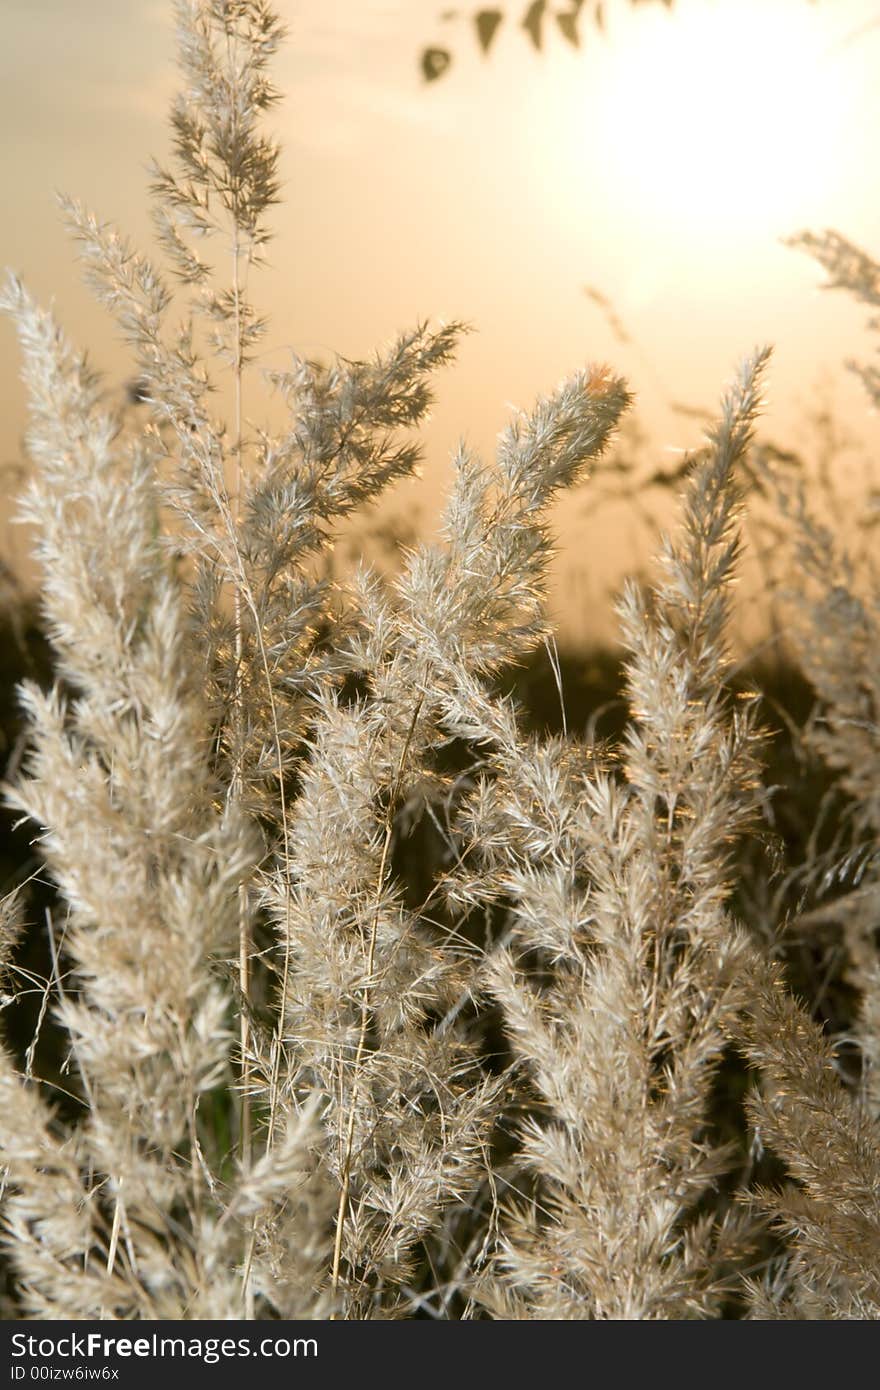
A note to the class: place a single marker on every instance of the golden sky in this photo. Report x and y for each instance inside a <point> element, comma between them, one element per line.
<point>659,165</point>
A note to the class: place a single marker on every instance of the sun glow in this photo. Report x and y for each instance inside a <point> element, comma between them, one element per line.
<point>720,117</point>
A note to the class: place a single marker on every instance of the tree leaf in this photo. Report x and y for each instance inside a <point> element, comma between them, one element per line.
<point>568,27</point>
<point>435,61</point>
<point>487,22</point>
<point>533,19</point>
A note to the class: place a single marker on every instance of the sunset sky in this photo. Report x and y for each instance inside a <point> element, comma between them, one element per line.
<point>659,165</point>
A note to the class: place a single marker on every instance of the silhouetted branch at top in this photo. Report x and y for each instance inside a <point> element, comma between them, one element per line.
<point>536,20</point>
